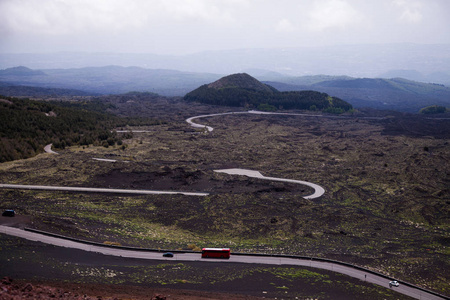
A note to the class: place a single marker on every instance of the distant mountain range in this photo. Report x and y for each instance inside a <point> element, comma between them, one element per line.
<point>394,94</point>
<point>21,72</point>
<point>109,79</point>
<point>391,94</point>
<point>354,72</point>
<point>419,62</point>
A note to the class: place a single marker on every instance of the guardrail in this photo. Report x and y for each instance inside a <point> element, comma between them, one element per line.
<point>347,265</point>
<point>105,245</point>
<point>239,254</point>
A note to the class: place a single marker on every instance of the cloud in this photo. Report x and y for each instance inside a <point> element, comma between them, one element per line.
<point>61,17</point>
<point>198,25</point>
<point>198,10</point>
<point>326,14</point>
<point>68,16</point>
<point>285,25</point>
<point>410,11</point>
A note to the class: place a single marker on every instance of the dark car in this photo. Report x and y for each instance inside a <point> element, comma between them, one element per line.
<point>168,254</point>
<point>9,213</point>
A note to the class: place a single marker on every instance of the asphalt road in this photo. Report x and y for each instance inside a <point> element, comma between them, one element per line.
<point>249,259</point>
<point>48,149</point>
<point>209,128</point>
<point>318,190</point>
<point>255,112</point>
<point>96,190</point>
<point>356,273</point>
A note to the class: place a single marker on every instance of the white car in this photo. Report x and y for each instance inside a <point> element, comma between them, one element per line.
<point>393,283</point>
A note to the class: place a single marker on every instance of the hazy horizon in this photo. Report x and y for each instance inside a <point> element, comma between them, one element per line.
<point>182,27</point>
<point>308,37</point>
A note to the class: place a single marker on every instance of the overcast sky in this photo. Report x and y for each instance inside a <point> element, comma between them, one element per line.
<point>188,26</point>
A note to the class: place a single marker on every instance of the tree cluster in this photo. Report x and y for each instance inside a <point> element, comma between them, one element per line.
<point>26,126</point>
<point>433,109</point>
<point>242,97</point>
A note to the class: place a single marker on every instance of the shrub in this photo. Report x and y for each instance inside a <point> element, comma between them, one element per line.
<point>266,107</point>
<point>434,109</point>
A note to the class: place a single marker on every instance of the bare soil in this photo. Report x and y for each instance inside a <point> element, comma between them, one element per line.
<point>20,289</point>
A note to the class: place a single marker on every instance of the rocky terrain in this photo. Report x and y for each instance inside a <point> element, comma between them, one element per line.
<point>12,289</point>
<point>386,204</point>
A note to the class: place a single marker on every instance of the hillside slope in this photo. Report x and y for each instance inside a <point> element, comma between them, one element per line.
<point>27,126</point>
<point>32,91</point>
<point>394,94</point>
<point>245,91</point>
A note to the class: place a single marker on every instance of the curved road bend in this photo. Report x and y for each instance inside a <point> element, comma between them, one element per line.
<point>96,190</point>
<point>369,277</point>
<point>209,128</point>
<point>356,273</point>
<point>318,190</point>
<point>256,112</point>
<point>48,149</point>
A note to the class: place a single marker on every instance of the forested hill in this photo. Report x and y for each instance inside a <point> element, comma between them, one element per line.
<point>245,91</point>
<point>241,80</point>
<point>26,126</point>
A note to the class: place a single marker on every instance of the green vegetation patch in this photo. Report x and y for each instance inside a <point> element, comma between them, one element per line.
<point>433,109</point>
<point>27,126</point>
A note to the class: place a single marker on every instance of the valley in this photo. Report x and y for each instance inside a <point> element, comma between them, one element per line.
<point>212,150</point>
<point>386,180</point>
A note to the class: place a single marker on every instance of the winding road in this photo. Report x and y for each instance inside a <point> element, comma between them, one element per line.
<point>318,190</point>
<point>256,112</point>
<point>209,128</point>
<point>356,272</point>
<point>364,275</point>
